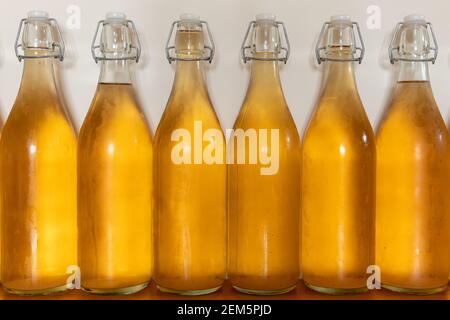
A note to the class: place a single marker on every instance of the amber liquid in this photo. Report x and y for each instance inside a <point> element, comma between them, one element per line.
<point>338,188</point>
<point>1,128</point>
<point>38,153</point>
<point>413,204</point>
<point>115,193</point>
<point>264,210</point>
<point>190,199</point>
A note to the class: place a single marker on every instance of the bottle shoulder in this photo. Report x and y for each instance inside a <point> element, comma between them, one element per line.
<point>405,139</point>
<point>414,138</point>
<point>265,112</point>
<point>43,133</point>
<point>187,115</point>
<point>334,120</point>
<point>123,126</point>
<point>413,116</point>
<point>419,117</point>
<point>114,105</point>
<point>29,116</point>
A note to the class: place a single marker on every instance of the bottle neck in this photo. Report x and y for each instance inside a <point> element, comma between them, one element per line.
<point>265,79</point>
<point>413,71</point>
<point>115,71</point>
<point>339,78</point>
<point>190,79</point>
<point>38,75</point>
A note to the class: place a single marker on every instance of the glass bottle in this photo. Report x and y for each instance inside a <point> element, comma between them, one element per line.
<point>413,206</point>
<point>38,153</point>
<point>264,196</point>
<point>339,159</point>
<point>115,172</point>
<point>190,193</point>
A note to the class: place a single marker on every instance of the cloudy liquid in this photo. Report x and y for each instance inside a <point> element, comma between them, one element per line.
<point>190,199</point>
<point>115,193</point>
<point>413,208</point>
<point>264,209</point>
<point>338,188</point>
<point>38,152</point>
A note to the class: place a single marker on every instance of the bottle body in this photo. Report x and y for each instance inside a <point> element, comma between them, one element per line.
<point>190,196</point>
<point>264,207</point>
<point>115,193</point>
<point>339,161</point>
<point>38,188</point>
<point>413,244</point>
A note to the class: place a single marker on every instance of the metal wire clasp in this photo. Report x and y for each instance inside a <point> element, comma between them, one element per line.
<point>394,51</point>
<point>319,48</point>
<point>245,47</point>
<point>136,48</point>
<point>211,48</point>
<point>59,48</point>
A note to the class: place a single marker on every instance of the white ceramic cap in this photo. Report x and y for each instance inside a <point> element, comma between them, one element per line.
<point>116,16</point>
<point>38,14</point>
<point>414,18</point>
<point>265,17</point>
<point>341,18</point>
<point>189,17</point>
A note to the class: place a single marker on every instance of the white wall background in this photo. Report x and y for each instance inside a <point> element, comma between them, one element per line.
<point>227,76</point>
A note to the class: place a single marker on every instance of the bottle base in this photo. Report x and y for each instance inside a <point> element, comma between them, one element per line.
<point>189,292</point>
<point>412,291</point>
<point>336,291</point>
<point>265,292</point>
<point>117,291</point>
<point>38,292</point>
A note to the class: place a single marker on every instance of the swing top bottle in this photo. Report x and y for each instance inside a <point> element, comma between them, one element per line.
<point>115,171</point>
<point>413,171</point>
<point>339,165</point>
<point>264,196</point>
<point>190,214</point>
<point>38,165</point>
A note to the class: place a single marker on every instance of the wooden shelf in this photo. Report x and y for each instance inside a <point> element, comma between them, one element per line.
<point>227,293</point>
